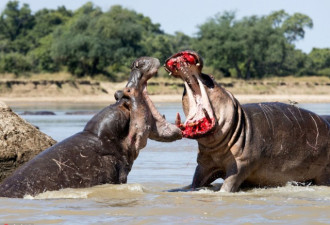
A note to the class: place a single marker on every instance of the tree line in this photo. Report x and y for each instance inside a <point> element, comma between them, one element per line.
<point>88,41</point>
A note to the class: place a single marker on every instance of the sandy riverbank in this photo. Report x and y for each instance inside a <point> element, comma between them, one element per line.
<point>171,98</point>
<point>283,89</point>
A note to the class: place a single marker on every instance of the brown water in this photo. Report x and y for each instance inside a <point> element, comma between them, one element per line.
<point>145,200</point>
<point>149,204</point>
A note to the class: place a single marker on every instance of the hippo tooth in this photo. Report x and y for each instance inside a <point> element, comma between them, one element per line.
<point>178,119</point>
<point>206,115</point>
<point>170,73</point>
<point>192,103</point>
<point>205,97</point>
<point>198,64</point>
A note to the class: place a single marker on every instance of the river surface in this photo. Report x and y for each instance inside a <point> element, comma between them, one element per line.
<point>159,167</point>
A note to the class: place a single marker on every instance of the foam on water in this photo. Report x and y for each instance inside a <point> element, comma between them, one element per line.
<point>100,191</point>
<point>287,191</point>
<point>118,191</point>
<point>64,193</point>
<point>150,203</point>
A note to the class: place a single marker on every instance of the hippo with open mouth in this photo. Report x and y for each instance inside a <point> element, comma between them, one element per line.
<point>105,150</point>
<point>258,145</point>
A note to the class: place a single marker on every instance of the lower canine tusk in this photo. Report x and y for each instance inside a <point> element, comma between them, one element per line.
<point>178,119</point>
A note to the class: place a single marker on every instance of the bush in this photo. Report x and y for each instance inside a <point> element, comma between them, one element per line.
<point>15,63</point>
<point>324,72</point>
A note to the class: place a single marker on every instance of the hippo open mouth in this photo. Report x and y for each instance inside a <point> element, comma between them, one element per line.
<point>145,120</point>
<point>200,120</point>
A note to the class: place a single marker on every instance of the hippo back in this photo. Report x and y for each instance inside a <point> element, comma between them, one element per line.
<point>85,159</point>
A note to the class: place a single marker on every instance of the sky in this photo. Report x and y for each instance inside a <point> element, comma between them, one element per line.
<point>186,15</point>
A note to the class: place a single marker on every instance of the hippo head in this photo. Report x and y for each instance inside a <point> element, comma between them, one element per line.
<point>142,70</point>
<point>200,118</point>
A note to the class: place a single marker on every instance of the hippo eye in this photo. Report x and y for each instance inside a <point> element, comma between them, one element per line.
<point>139,65</point>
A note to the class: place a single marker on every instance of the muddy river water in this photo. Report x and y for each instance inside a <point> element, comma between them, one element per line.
<point>145,199</point>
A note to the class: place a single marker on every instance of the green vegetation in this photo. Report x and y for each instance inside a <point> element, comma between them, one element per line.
<point>93,43</point>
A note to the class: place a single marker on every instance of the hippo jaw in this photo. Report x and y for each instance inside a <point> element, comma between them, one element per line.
<point>146,116</point>
<point>142,70</point>
<point>200,120</point>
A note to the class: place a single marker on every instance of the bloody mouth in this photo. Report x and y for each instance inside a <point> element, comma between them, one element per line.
<point>200,119</point>
<point>196,129</point>
<point>183,58</point>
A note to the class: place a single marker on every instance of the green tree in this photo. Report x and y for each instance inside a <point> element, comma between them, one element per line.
<point>46,21</point>
<point>124,31</point>
<point>320,61</point>
<point>15,22</point>
<point>89,41</point>
<point>95,42</point>
<point>253,46</point>
<point>73,42</point>
<point>14,62</point>
<point>162,46</point>
<point>266,48</point>
<point>294,26</point>
<point>220,43</point>
<point>159,46</point>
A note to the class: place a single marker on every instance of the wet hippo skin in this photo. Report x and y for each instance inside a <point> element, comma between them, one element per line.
<point>259,145</point>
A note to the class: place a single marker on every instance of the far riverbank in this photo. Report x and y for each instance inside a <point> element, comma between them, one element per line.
<point>108,99</point>
<point>282,89</point>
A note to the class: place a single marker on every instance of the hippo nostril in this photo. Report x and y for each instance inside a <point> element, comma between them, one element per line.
<point>128,90</point>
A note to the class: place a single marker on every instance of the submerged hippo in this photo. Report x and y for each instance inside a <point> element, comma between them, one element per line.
<point>261,144</point>
<point>105,150</point>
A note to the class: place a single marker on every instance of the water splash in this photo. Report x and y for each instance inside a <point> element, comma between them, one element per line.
<point>100,191</point>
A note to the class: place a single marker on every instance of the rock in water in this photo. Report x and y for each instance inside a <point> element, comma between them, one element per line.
<point>19,141</point>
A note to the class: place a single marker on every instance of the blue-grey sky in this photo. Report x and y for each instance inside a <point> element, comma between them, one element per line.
<point>186,15</point>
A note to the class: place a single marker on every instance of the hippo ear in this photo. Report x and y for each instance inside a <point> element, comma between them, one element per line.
<point>119,94</point>
<point>134,79</point>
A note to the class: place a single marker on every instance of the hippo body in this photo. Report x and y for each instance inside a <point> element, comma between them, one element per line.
<point>259,145</point>
<point>293,143</point>
<point>267,145</point>
<point>85,159</point>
